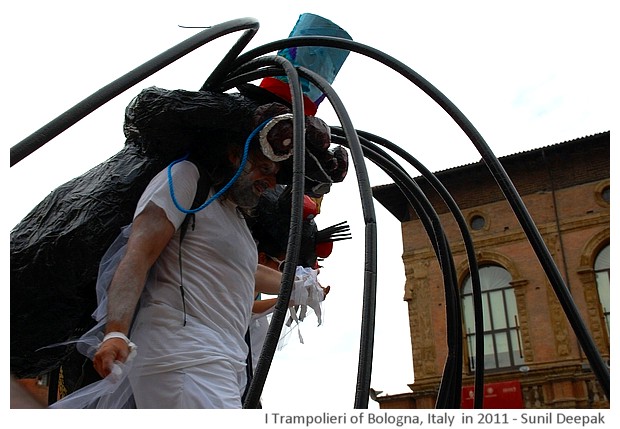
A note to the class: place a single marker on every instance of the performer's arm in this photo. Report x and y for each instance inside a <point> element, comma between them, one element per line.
<point>263,305</point>
<point>151,231</point>
<point>267,280</point>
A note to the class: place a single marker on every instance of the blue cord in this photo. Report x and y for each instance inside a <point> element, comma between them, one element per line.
<point>226,187</point>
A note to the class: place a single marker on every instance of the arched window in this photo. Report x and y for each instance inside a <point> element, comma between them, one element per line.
<point>502,339</point>
<point>601,269</point>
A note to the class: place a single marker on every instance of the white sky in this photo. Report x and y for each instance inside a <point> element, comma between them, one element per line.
<point>526,74</point>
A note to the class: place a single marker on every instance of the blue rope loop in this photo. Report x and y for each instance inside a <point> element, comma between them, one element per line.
<point>215,196</point>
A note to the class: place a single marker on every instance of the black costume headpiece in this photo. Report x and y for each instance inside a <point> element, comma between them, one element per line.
<point>270,228</point>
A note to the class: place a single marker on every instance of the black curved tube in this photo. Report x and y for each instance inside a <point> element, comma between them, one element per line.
<point>257,384</point>
<point>370,270</point>
<point>450,388</point>
<point>469,247</point>
<point>451,379</point>
<point>224,67</point>
<point>370,234</point>
<point>46,133</point>
<point>599,367</point>
<point>242,74</point>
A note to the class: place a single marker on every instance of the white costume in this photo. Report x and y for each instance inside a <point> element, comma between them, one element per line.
<point>203,361</point>
<point>199,364</point>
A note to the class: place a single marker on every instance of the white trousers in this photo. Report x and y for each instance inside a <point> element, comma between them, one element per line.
<point>213,385</point>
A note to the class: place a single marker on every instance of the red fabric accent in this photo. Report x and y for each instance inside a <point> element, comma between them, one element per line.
<point>323,250</point>
<point>282,90</point>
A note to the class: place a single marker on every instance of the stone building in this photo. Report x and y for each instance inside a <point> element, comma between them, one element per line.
<point>532,357</point>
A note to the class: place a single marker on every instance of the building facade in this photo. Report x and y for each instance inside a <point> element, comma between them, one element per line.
<point>532,357</point>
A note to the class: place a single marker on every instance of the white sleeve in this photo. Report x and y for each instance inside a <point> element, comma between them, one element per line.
<point>185,183</point>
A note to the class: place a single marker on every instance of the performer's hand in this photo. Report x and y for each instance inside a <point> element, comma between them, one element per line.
<point>111,350</point>
<point>325,290</point>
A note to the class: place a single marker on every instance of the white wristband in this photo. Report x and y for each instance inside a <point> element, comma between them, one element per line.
<point>115,335</point>
<point>120,335</point>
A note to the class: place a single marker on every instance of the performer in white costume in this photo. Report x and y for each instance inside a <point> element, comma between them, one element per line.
<point>191,345</point>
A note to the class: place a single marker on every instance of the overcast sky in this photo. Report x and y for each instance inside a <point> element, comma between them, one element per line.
<point>526,74</point>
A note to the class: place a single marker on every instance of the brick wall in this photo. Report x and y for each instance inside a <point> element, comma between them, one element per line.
<point>561,187</point>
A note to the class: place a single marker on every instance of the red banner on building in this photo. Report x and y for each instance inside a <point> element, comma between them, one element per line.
<point>501,395</point>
